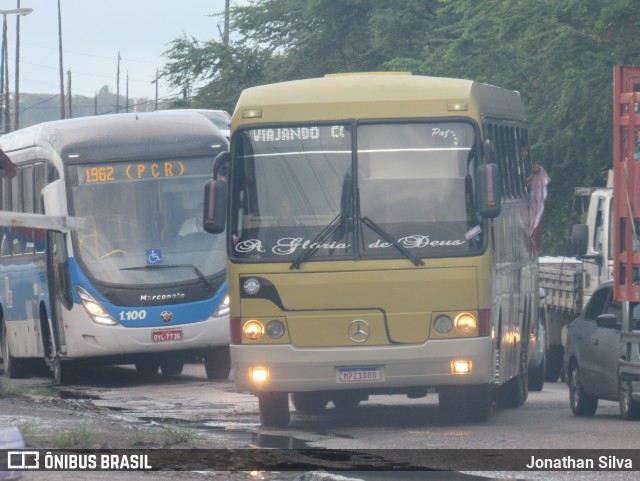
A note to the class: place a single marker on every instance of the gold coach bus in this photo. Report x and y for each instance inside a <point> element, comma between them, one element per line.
<point>377,243</point>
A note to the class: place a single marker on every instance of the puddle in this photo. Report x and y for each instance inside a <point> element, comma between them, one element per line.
<point>76,395</point>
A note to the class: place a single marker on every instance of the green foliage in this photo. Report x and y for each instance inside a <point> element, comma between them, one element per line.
<point>559,54</point>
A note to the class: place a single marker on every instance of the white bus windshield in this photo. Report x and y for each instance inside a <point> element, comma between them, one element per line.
<point>406,180</point>
<point>143,222</point>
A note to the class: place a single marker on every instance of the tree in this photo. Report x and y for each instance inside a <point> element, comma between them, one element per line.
<point>559,54</point>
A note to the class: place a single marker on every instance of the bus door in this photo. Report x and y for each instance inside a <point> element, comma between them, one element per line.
<point>58,276</point>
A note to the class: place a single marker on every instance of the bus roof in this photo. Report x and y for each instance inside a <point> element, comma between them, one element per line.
<point>374,95</point>
<point>117,136</point>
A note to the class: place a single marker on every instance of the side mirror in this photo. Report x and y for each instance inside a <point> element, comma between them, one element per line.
<point>214,216</point>
<point>580,239</point>
<point>609,321</point>
<point>489,191</point>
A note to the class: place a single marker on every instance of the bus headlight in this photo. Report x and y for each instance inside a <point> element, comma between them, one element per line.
<point>254,330</point>
<point>443,324</point>
<point>223,308</point>
<point>466,323</point>
<point>275,329</point>
<point>97,313</point>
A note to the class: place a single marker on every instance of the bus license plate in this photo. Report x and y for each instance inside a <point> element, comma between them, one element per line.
<point>359,374</point>
<point>166,335</point>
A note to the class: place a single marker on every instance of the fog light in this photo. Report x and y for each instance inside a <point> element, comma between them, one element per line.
<point>275,329</point>
<point>461,367</point>
<point>466,323</point>
<point>253,330</point>
<point>259,374</point>
<point>443,324</point>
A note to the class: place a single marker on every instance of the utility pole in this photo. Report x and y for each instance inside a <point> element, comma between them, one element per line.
<point>5,112</point>
<point>156,90</point>
<point>69,92</point>
<point>5,93</point>
<point>2,78</point>
<point>118,86</point>
<point>62,115</point>
<point>16,116</point>
<point>126,95</point>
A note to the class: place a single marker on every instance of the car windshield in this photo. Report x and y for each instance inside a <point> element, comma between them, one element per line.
<point>406,181</point>
<point>141,214</point>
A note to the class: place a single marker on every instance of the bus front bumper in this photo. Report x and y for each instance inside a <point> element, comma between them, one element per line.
<point>291,369</point>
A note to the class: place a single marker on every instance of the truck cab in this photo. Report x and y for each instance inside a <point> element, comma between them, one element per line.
<point>593,241</point>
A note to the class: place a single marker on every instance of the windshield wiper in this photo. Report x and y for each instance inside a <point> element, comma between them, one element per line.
<point>386,236</point>
<point>333,226</point>
<point>198,272</point>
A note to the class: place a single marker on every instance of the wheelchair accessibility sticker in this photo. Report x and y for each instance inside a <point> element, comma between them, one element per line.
<point>154,256</point>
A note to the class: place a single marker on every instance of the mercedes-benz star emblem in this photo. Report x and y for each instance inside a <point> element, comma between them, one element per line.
<point>359,331</point>
<point>166,316</point>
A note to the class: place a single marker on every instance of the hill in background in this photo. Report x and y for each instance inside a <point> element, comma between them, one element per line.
<point>37,108</point>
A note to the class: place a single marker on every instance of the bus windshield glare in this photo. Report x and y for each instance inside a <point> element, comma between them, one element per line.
<point>343,196</point>
<point>135,212</point>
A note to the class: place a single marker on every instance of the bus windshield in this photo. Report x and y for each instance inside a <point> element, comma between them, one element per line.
<point>143,222</point>
<point>342,196</point>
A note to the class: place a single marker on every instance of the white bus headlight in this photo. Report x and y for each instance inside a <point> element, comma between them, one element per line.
<point>443,324</point>
<point>97,313</point>
<point>466,323</point>
<point>223,308</point>
<point>275,329</point>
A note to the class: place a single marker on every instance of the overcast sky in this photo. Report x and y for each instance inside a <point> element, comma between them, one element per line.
<point>93,32</point>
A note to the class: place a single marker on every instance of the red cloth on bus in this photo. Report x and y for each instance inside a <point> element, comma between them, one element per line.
<point>538,181</point>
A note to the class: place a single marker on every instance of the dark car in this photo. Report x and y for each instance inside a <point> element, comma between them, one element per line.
<point>594,351</point>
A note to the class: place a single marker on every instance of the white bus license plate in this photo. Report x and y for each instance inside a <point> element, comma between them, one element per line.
<point>166,335</point>
<point>359,374</point>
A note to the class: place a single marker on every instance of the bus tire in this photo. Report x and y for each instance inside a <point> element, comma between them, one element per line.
<point>217,363</point>
<point>147,369</point>
<point>478,403</point>
<point>274,409</point>
<point>172,368</point>
<point>346,401</point>
<point>514,392</point>
<point>64,371</point>
<point>14,368</point>
<point>470,403</point>
<point>536,376</point>
<point>313,402</point>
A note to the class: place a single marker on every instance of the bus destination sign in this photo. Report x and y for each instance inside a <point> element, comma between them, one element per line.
<point>129,171</point>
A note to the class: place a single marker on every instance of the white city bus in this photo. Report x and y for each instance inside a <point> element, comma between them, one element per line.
<point>126,289</point>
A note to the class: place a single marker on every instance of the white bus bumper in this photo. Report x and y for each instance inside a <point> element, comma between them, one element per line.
<point>294,369</point>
